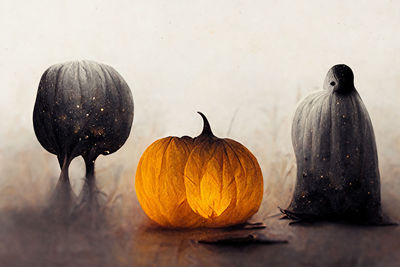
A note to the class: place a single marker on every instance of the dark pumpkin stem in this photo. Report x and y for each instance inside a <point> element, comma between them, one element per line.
<point>206,128</point>
<point>90,180</point>
<point>64,176</point>
<point>89,169</point>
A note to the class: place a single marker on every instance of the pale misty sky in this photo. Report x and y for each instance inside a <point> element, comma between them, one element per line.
<point>254,58</point>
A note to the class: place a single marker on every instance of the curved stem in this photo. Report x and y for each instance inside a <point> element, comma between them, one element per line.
<point>63,196</point>
<point>64,176</point>
<point>206,128</point>
<point>89,169</point>
<point>90,179</point>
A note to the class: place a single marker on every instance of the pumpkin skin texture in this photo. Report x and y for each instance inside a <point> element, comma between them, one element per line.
<point>337,163</point>
<point>223,180</point>
<point>159,182</point>
<point>199,182</point>
<point>82,108</point>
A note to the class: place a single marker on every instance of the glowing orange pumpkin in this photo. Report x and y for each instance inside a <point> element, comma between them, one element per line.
<point>203,181</point>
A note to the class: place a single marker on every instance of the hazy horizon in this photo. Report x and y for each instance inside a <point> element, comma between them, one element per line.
<point>245,65</point>
<point>231,59</point>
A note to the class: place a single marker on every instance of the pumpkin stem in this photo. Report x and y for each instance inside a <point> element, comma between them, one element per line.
<point>90,180</point>
<point>340,78</point>
<point>206,127</point>
<point>89,188</point>
<point>89,169</point>
<point>64,164</point>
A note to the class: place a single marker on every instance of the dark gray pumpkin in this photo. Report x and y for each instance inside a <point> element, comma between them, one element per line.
<point>82,108</point>
<point>337,162</point>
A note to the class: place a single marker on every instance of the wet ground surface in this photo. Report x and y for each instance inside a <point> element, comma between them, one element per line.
<point>39,237</point>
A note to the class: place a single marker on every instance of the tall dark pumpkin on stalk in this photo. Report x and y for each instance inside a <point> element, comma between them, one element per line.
<point>82,108</point>
<point>337,162</point>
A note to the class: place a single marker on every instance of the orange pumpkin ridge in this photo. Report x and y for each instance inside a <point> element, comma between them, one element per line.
<point>203,181</point>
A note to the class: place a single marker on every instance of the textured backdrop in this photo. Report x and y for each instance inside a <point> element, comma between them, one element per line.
<point>244,64</point>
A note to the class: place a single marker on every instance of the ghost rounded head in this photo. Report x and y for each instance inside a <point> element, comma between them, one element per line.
<point>340,79</point>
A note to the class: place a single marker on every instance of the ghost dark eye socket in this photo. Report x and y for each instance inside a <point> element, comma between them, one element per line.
<point>332,83</point>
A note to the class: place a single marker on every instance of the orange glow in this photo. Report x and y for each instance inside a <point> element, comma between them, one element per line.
<point>203,181</point>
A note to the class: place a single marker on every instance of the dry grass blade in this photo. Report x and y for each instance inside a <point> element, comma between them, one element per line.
<point>248,226</point>
<point>242,239</point>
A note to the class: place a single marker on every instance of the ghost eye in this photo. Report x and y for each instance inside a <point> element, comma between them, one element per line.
<point>333,83</point>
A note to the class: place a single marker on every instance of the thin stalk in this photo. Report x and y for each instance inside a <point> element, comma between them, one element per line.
<point>90,179</point>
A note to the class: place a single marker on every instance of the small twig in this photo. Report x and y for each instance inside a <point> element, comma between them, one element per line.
<point>248,226</point>
<point>241,240</point>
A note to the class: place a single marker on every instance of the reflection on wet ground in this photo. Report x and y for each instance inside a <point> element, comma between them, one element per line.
<point>85,230</point>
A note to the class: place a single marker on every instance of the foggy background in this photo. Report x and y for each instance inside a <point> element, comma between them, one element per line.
<point>245,64</point>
